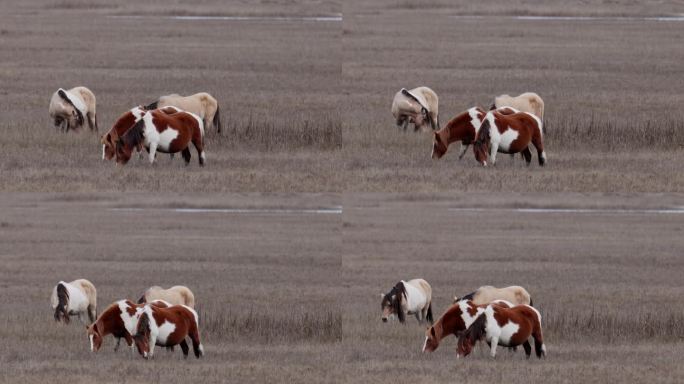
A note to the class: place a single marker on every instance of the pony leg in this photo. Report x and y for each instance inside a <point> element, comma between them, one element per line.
<point>186,155</point>
<point>153,152</point>
<point>92,314</point>
<point>118,342</point>
<point>528,348</point>
<point>464,148</point>
<point>539,347</point>
<point>539,145</point>
<point>527,155</point>
<point>197,142</point>
<point>91,122</point>
<point>196,344</point>
<point>184,346</point>
<point>153,343</point>
<point>492,345</point>
<point>493,151</point>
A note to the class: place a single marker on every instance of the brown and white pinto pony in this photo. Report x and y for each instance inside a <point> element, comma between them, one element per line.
<point>167,327</point>
<point>486,294</point>
<point>413,297</point>
<point>69,109</point>
<point>176,295</point>
<point>118,320</point>
<point>418,106</point>
<point>76,298</point>
<point>455,321</point>
<point>509,133</point>
<point>201,104</point>
<point>163,132</point>
<point>123,124</point>
<point>507,327</point>
<point>463,128</point>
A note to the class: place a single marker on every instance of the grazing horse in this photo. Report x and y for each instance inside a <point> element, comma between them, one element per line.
<point>526,102</point>
<point>163,132</point>
<point>509,133</point>
<point>123,124</point>
<point>508,327</point>
<point>461,128</point>
<point>76,298</point>
<point>119,320</point>
<point>167,327</point>
<point>455,321</point>
<point>201,104</point>
<point>486,294</point>
<point>176,295</point>
<point>70,108</point>
<point>417,106</point>
<point>412,297</point>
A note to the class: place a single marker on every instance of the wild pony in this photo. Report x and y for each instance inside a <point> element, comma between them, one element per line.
<point>486,294</point>
<point>123,124</point>
<point>412,297</point>
<point>201,104</point>
<point>76,298</point>
<point>525,102</point>
<point>508,327</point>
<point>418,106</point>
<point>176,295</point>
<point>455,321</point>
<point>167,327</point>
<point>509,133</point>
<point>69,109</point>
<point>159,131</point>
<point>463,128</point>
<point>119,320</point>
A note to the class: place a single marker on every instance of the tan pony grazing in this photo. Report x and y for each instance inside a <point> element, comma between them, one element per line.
<point>76,298</point>
<point>176,295</point>
<point>419,106</point>
<point>69,109</point>
<point>486,294</point>
<point>201,104</point>
<point>526,102</point>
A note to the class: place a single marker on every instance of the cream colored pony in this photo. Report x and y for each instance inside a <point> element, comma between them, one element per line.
<point>419,106</point>
<point>76,298</point>
<point>526,102</point>
<point>176,295</point>
<point>486,294</point>
<point>70,108</point>
<point>201,104</point>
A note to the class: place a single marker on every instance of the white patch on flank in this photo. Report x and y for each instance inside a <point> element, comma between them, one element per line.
<point>465,315</point>
<point>161,140</point>
<point>507,138</point>
<point>164,331</point>
<point>130,322</point>
<point>474,119</point>
<point>507,332</point>
<point>92,345</point>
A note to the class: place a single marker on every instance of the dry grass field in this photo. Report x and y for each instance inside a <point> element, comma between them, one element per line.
<point>266,284</point>
<point>287,295</point>
<point>608,285</point>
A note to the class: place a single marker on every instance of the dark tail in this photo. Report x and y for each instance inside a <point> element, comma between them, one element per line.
<point>152,106</point>
<point>429,314</point>
<point>217,119</point>
<point>79,115</point>
<point>63,297</point>
<point>531,305</point>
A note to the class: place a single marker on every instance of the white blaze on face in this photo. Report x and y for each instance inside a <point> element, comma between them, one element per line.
<point>425,343</point>
<point>92,345</point>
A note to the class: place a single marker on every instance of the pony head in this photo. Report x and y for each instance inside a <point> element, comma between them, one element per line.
<point>439,146</point>
<point>431,341</point>
<point>391,303</point>
<point>475,332</point>
<point>481,144</point>
<point>94,336</point>
<point>142,336</point>
<point>108,142</point>
<point>129,141</point>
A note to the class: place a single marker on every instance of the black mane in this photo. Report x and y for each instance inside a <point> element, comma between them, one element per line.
<point>134,137</point>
